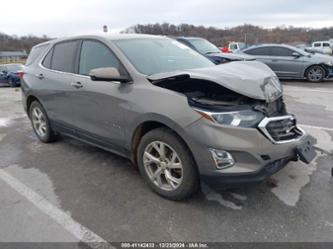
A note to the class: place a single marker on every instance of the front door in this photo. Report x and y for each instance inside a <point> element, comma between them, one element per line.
<point>285,64</point>
<point>97,104</point>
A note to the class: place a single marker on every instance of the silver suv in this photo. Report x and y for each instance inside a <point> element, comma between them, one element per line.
<point>180,118</point>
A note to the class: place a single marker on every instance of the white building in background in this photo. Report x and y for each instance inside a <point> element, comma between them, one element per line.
<point>12,56</point>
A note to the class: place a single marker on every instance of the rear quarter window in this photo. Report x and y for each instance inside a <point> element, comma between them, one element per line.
<point>47,60</point>
<point>35,53</point>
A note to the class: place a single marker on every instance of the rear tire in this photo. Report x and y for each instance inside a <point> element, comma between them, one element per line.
<point>40,123</point>
<point>167,165</point>
<point>315,74</point>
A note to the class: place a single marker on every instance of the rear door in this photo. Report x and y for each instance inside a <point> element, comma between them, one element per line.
<point>97,104</point>
<point>261,54</point>
<point>54,79</point>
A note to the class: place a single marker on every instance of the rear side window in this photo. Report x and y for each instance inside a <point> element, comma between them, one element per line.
<point>94,54</point>
<point>47,60</point>
<point>326,44</point>
<point>259,51</point>
<point>64,56</point>
<point>35,52</point>
<point>279,51</point>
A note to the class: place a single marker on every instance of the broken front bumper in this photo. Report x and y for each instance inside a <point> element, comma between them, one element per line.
<point>219,181</point>
<point>256,156</point>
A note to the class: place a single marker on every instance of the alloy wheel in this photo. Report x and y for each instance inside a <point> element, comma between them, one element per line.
<point>39,121</point>
<point>163,165</point>
<point>315,74</point>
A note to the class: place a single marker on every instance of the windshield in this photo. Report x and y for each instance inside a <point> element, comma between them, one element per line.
<point>151,56</point>
<point>14,68</point>
<point>204,46</point>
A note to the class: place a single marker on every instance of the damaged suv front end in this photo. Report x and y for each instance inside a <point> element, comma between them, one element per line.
<point>226,123</point>
<point>245,133</point>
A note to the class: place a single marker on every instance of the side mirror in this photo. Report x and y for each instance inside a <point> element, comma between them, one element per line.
<point>108,74</point>
<point>297,55</point>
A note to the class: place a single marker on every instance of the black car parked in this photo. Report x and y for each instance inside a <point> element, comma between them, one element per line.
<point>10,74</point>
<point>212,52</point>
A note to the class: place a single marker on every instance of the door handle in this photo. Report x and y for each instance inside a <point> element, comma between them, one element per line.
<point>77,84</point>
<point>40,76</point>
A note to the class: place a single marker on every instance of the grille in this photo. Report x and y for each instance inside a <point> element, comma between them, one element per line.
<point>281,129</point>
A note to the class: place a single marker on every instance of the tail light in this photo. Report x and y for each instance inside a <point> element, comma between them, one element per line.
<point>20,74</point>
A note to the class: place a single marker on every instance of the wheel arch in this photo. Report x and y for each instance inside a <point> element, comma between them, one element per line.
<point>147,125</point>
<point>30,99</point>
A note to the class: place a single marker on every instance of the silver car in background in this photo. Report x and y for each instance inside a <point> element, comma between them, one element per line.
<point>289,62</point>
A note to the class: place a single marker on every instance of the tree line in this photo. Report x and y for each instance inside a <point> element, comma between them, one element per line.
<point>247,33</point>
<point>15,43</point>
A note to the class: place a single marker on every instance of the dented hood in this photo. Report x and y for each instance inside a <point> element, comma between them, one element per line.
<point>244,77</point>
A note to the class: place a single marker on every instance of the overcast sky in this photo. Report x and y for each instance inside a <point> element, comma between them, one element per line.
<point>66,17</point>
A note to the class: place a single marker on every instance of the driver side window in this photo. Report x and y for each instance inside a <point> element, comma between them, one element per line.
<point>94,55</point>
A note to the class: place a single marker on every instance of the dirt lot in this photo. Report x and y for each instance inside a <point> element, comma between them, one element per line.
<point>69,191</point>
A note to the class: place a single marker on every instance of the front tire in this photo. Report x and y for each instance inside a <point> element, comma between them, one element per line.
<point>167,165</point>
<point>315,74</point>
<point>40,123</point>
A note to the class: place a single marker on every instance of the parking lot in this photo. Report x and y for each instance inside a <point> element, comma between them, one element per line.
<point>69,191</point>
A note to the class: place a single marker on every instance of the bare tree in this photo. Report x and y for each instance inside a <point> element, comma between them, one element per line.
<point>247,33</point>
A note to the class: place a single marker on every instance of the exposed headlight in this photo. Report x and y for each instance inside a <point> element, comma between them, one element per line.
<point>242,118</point>
<point>329,63</point>
<point>272,89</point>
